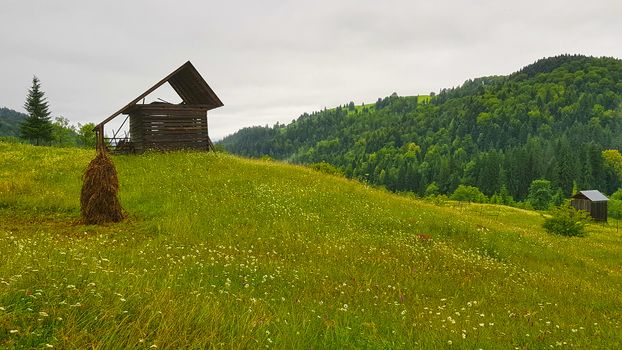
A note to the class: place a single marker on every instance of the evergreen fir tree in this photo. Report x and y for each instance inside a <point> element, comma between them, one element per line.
<point>38,126</point>
<point>565,169</point>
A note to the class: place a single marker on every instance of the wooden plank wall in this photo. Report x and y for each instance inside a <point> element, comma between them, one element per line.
<point>164,127</point>
<point>597,210</point>
<point>581,204</point>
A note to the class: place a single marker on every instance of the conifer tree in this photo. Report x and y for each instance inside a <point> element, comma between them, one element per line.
<point>37,127</point>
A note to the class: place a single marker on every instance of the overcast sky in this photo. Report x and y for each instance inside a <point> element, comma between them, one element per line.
<point>272,60</point>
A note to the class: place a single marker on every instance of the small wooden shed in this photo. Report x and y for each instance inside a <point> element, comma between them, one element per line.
<point>162,125</point>
<point>593,202</point>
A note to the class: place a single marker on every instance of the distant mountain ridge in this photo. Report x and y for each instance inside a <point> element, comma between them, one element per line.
<point>10,121</point>
<point>550,119</point>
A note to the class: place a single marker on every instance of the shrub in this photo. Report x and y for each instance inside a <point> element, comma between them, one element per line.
<point>540,194</point>
<point>567,221</point>
<point>439,200</point>
<point>265,158</point>
<point>468,194</point>
<point>615,208</point>
<point>617,195</point>
<point>326,168</point>
<point>432,190</point>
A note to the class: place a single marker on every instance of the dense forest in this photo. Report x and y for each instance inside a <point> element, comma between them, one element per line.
<point>549,121</point>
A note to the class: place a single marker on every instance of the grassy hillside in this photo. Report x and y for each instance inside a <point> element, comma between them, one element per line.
<point>550,120</point>
<point>223,252</point>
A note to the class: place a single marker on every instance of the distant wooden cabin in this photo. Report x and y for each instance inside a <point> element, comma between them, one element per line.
<point>593,202</point>
<point>162,125</point>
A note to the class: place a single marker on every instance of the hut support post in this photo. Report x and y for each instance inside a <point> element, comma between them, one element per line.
<point>99,132</point>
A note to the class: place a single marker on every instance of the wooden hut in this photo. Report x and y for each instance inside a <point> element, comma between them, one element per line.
<point>166,126</point>
<point>593,202</point>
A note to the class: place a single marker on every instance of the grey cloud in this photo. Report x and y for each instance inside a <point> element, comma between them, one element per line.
<point>273,60</point>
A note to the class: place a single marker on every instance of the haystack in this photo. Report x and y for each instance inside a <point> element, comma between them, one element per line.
<point>98,201</point>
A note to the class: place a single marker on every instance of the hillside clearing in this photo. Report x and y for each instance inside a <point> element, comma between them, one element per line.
<point>224,252</point>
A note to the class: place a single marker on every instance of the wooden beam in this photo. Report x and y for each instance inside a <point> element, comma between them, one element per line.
<point>144,94</point>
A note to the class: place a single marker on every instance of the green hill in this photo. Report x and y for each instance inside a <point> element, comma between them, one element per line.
<point>223,252</point>
<point>550,120</point>
<point>10,121</point>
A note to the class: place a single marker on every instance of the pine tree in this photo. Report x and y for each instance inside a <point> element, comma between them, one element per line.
<point>38,126</point>
<point>565,169</point>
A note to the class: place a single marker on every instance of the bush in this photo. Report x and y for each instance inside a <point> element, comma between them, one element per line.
<point>265,158</point>
<point>468,194</point>
<point>567,221</point>
<point>615,208</point>
<point>540,194</point>
<point>432,190</point>
<point>439,200</point>
<point>326,168</point>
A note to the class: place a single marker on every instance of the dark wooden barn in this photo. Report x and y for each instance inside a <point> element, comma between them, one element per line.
<point>593,202</point>
<point>162,125</point>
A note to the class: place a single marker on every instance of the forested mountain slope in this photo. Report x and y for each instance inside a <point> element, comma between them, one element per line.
<point>551,120</point>
<point>10,121</point>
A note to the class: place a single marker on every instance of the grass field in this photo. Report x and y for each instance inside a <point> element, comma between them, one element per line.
<point>370,106</point>
<point>223,252</point>
<point>424,99</point>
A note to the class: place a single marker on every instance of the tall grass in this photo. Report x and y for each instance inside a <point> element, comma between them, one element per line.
<point>223,252</point>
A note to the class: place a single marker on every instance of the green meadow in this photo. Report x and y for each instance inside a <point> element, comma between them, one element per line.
<point>224,252</point>
<point>359,108</point>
